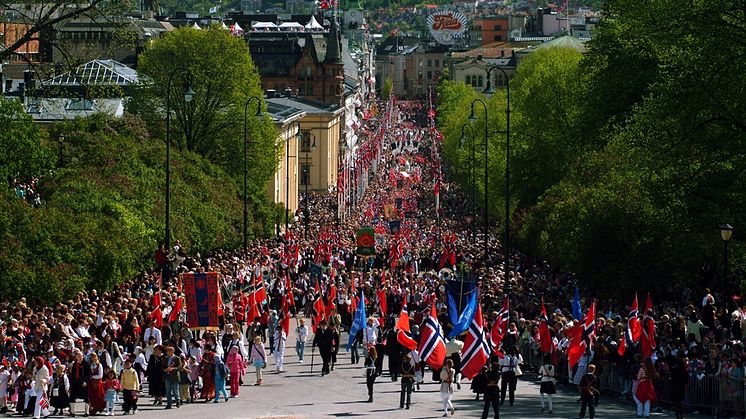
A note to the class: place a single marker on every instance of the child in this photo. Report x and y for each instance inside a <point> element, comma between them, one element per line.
<point>130,386</point>
<point>193,367</point>
<point>4,386</point>
<point>547,383</point>
<point>60,386</point>
<point>588,392</point>
<point>111,386</point>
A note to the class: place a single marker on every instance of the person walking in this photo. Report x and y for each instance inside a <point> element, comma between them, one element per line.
<point>96,387</point>
<point>547,388</point>
<point>280,340</point>
<point>111,387</point>
<point>235,364</point>
<point>447,376</point>
<point>221,373</point>
<point>60,385</point>
<point>407,381</point>
<point>39,386</point>
<point>491,390</point>
<point>370,371</point>
<point>258,358</point>
<point>130,383</point>
<point>154,373</point>
<point>588,392</point>
<point>301,336</point>
<point>207,374</point>
<point>645,393</point>
<point>509,365</point>
<point>324,339</point>
<point>79,374</point>
<point>173,371</point>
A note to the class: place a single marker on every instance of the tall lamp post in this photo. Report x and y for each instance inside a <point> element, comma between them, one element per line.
<point>188,96</point>
<point>473,118</point>
<point>726,232</point>
<point>472,176</point>
<point>489,91</point>
<point>307,178</point>
<point>246,164</point>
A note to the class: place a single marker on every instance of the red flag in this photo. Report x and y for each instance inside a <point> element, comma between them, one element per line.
<point>285,321</point>
<point>318,313</point>
<point>403,334</point>
<point>501,324</point>
<point>475,352</point>
<point>432,347</point>
<point>156,314</point>
<point>220,302</point>
<point>176,310</point>
<point>647,341</point>
<point>632,334</point>
<point>253,309</point>
<point>546,342</point>
<point>261,293</point>
<point>584,338</point>
<point>382,302</point>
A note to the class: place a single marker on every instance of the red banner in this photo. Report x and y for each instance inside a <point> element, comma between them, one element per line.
<point>202,299</point>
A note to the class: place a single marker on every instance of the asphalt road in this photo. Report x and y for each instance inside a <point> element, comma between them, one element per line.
<point>298,393</point>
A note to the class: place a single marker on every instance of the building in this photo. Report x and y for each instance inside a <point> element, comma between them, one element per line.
<point>493,28</point>
<point>94,87</point>
<point>117,38</point>
<point>283,186</point>
<point>301,56</point>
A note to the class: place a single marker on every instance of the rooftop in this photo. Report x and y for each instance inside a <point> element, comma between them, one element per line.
<point>96,72</point>
<point>309,106</point>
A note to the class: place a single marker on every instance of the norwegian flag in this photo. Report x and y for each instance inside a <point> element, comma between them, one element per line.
<point>501,324</point>
<point>432,347</point>
<point>647,342</point>
<point>546,342</point>
<point>285,316</point>
<point>583,337</point>
<point>157,314</point>
<point>633,332</point>
<point>403,333</point>
<point>476,350</point>
<point>258,291</point>
<point>176,310</point>
<point>44,402</point>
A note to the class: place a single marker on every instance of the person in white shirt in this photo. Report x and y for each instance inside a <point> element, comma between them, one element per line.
<point>370,334</point>
<point>301,335</point>
<point>509,366</point>
<point>153,331</point>
<point>547,383</point>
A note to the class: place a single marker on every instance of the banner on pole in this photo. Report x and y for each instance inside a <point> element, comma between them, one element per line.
<point>202,299</point>
<point>366,241</point>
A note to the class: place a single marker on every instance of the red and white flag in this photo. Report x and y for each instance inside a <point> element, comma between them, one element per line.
<point>432,347</point>
<point>583,337</point>
<point>476,351</point>
<point>647,340</point>
<point>632,334</point>
<point>545,338</point>
<point>501,324</point>
<point>403,333</point>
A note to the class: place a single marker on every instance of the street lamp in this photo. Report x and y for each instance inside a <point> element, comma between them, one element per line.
<point>188,96</point>
<point>472,177</point>
<point>287,175</point>
<point>307,177</point>
<point>726,232</point>
<point>246,164</point>
<point>473,118</point>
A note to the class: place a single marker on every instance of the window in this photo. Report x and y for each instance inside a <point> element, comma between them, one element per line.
<point>498,27</point>
<point>429,63</point>
<point>309,89</point>
<point>429,75</point>
<point>332,90</point>
<point>301,89</point>
<point>468,79</point>
<point>498,38</point>
<point>79,104</point>
<point>479,81</point>
<point>305,144</point>
<point>437,63</point>
<point>305,174</point>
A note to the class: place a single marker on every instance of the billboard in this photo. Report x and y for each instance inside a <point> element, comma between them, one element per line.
<point>445,27</point>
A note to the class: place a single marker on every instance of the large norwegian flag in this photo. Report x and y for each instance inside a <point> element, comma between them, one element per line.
<point>583,337</point>
<point>403,332</point>
<point>546,342</point>
<point>501,324</point>
<point>632,334</point>
<point>432,347</point>
<point>647,340</point>
<point>476,351</point>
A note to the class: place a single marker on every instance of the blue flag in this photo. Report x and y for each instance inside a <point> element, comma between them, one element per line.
<point>358,323</point>
<point>577,313</point>
<point>461,321</point>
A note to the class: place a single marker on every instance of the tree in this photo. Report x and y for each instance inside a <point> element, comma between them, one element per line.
<point>41,17</point>
<point>388,88</point>
<point>20,144</point>
<point>223,76</point>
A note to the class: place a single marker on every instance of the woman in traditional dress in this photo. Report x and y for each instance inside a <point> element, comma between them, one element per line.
<point>96,392</point>
<point>207,372</point>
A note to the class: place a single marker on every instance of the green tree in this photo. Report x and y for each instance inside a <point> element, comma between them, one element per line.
<point>20,144</point>
<point>388,87</point>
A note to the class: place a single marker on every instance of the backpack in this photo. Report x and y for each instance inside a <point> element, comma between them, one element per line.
<point>223,369</point>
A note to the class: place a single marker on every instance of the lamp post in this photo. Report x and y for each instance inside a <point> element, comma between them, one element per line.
<point>246,164</point>
<point>489,91</point>
<point>287,175</point>
<point>473,118</point>
<point>188,96</point>
<point>307,178</point>
<point>472,177</point>
<point>726,232</point>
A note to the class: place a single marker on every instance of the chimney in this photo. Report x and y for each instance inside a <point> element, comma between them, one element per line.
<point>271,93</point>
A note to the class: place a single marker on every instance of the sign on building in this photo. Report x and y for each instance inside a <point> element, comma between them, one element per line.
<point>446,27</point>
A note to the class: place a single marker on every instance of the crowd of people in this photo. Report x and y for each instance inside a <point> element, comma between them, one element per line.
<point>27,191</point>
<point>80,356</point>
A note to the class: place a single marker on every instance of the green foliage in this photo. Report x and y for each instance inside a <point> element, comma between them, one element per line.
<point>388,86</point>
<point>20,144</point>
<point>104,211</point>
<point>628,159</point>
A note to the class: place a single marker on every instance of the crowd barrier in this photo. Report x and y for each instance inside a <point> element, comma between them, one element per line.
<point>705,394</point>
